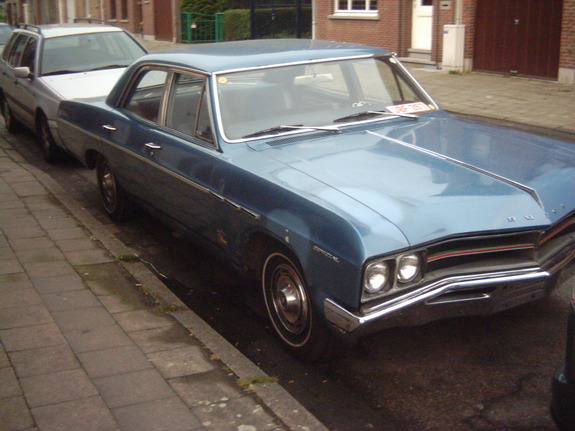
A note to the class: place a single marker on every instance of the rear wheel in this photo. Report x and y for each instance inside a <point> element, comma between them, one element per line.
<point>290,308</point>
<point>113,197</point>
<point>10,122</point>
<point>49,148</point>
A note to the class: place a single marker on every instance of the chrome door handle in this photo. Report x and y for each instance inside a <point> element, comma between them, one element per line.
<point>150,148</point>
<point>109,128</point>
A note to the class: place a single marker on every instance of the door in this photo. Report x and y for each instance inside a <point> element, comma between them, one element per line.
<point>163,23</point>
<point>519,37</point>
<point>18,91</point>
<point>422,24</point>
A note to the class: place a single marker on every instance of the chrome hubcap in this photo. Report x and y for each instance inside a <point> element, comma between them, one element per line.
<point>108,186</point>
<point>290,300</point>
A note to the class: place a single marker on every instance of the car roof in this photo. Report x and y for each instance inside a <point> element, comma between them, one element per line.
<point>55,30</point>
<point>225,56</point>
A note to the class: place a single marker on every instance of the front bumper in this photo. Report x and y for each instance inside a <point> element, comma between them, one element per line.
<point>454,296</point>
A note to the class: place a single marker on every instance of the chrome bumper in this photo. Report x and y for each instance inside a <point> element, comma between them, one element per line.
<point>455,296</point>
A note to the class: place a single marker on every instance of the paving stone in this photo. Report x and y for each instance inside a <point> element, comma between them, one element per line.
<point>30,315</point>
<point>142,319</point>
<point>206,388</point>
<point>168,414</point>
<point>6,252</point>
<point>181,362</point>
<point>67,233</point>
<point>9,386</point>
<point>58,283</point>
<point>89,257</point>
<point>48,254</point>
<point>83,319</point>
<point>76,244</point>
<point>10,297</point>
<point>132,388</point>
<point>86,414</point>
<point>34,243</point>
<point>239,413</point>
<point>4,361</point>
<point>44,360</point>
<point>97,338</point>
<point>170,337</point>
<point>15,415</point>
<point>48,269</point>
<point>15,281</point>
<point>31,337</point>
<point>22,222</point>
<point>57,387</point>
<point>70,300</point>
<point>119,360</point>
<point>115,304</point>
<point>10,266</point>
<point>15,233</point>
<point>55,223</point>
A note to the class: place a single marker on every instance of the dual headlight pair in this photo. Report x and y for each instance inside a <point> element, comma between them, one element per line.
<point>382,275</point>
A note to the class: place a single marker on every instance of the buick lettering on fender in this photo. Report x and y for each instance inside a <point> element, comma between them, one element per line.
<point>326,171</point>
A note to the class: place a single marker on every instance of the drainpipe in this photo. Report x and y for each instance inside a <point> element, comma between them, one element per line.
<point>458,12</point>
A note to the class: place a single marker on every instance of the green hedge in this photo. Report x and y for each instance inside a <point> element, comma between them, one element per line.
<point>269,22</point>
<point>237,24</point>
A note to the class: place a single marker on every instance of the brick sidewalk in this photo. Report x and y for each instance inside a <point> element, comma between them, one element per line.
<point>87,343</point>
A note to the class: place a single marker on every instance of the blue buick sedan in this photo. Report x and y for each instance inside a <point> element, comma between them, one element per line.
<point>328,173</point>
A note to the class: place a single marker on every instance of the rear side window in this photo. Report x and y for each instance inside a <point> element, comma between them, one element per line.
<point>146,95</point>
<point>187,108</point>
<point>16,49</point>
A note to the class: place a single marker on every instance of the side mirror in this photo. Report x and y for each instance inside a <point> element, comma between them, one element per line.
<point>23,72</point>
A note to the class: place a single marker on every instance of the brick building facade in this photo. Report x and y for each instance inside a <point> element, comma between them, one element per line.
<point>153,19</point>
<point>390,24</point>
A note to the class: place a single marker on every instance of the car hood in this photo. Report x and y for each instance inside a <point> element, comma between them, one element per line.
<point>440,175</point>
<point>84,84</point>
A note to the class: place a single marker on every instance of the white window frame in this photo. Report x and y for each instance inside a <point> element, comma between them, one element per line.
<point>354,13</point>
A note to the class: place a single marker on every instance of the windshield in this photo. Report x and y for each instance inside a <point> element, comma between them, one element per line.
<point>89,51</point>
<point>328,94</point>
<point>5,33</point>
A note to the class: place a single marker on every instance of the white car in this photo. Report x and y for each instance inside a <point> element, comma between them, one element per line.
<point>43,65</point>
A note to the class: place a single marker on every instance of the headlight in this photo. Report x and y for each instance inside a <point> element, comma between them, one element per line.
<point>408,267</point>
<point>376,277</point>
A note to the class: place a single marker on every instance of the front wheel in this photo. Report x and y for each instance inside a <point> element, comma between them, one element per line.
<point>10,122</point>
<point>290,308</point>
<point>113,197</point>
<point>49,149</point>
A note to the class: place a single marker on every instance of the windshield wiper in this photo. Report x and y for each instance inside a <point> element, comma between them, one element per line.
<point>61,72</point>
<point>109,66</point>
<point>279,129</point>
<point>368,114</point>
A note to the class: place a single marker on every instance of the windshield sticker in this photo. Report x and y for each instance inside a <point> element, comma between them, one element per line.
<point>408,108</point>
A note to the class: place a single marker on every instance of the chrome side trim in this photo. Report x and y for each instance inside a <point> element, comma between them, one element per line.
<point>348,321</point>
<point>506,180</point>
<point>179,177</point>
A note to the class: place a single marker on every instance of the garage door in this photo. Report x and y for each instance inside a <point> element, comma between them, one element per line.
<point>520,37</point>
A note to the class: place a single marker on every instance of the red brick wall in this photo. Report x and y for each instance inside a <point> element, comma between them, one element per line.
<point>386,31</point>
<point>567,51</point>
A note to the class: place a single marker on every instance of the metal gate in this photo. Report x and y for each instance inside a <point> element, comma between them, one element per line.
<point>281,19</point>
<point>520,37</point>
<point>202,27</point>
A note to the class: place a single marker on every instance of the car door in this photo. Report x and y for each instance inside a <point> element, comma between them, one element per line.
<point>170,157</point>
<point>19,91</point>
